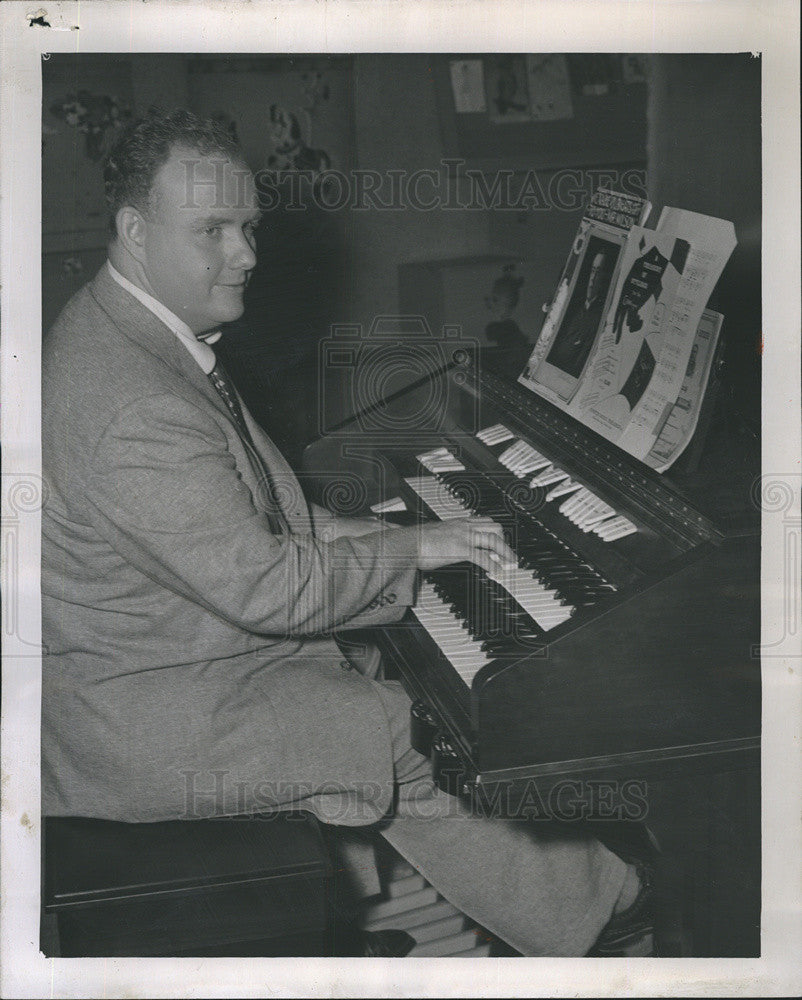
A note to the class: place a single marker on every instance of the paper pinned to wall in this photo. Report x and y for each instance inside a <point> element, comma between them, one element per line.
<point>549,87</point>
<point>468,85</point>
<point>507,89</point>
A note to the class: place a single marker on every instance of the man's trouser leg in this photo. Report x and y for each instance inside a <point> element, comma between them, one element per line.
<point>542,892</point>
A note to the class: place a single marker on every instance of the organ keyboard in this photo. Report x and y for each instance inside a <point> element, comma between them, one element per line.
<point>620,643</point>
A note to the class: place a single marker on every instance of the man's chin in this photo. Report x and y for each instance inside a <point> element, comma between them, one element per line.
<point>234,313</point>
<point>223,305</point>
<point>231,310</point>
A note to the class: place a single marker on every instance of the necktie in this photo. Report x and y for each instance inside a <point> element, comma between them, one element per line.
<point>225,388</point>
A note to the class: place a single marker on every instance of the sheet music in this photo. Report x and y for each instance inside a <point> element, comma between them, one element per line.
<point>635,388</point>
<point>681,421</point>
<point>642,356</point>
<point>608,212</point>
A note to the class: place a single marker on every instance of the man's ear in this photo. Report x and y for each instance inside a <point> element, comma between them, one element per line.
<point>131,230</point>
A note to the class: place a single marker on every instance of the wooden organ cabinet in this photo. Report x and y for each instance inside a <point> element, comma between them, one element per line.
<point>613,673</point>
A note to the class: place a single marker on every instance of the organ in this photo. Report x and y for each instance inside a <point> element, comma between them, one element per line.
<point>620,646</point>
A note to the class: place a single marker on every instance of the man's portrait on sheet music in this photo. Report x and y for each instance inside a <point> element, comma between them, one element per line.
<point>586,308</point>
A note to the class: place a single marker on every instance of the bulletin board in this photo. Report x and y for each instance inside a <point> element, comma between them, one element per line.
<point>545,111</point>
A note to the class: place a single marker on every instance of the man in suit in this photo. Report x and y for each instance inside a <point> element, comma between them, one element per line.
<point>573,343</point>
<point>189,593</point>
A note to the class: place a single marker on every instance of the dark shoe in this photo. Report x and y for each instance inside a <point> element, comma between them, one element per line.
<point>630,934</point>
<point>386,944</point>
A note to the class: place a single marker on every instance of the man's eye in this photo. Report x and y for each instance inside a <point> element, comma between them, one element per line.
<point>211,230</point>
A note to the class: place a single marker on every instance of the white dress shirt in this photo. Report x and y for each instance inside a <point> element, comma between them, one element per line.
<point>200,350</point>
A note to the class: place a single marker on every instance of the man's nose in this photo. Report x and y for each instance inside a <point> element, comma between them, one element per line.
<point>242,256</point>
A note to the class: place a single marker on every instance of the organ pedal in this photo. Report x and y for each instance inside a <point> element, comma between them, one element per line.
<point>408,902</point>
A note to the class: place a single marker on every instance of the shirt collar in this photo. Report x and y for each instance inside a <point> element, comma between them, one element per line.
<point>200,350</point>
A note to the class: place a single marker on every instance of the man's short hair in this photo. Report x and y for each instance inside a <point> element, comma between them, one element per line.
<point>144,145</point>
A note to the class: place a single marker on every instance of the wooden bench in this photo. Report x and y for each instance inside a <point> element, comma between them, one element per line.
<point>234,886</point>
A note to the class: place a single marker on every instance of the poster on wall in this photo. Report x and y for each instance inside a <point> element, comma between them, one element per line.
<point>298,114</point>
<point>468,85</point>
<point>507,91</point>
<point>549,87</point>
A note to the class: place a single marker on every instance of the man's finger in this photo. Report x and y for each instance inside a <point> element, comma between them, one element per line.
<point>483,523</point>
<point>492,540</point>
<point>489,529</point>
<point>482,559</point>
<point>496,547</point>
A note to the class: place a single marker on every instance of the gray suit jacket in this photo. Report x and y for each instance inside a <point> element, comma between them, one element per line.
<point>190,665</point>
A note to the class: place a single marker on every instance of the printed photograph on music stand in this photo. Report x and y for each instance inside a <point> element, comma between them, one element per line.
<point>584,314</point>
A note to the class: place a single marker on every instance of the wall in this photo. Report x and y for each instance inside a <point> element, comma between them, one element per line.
<point>297,289</point>
<point>159,80</point>
<point>74,226</point>
<point>397,128</point>
<point>703,149</point>
<point>705,155</point>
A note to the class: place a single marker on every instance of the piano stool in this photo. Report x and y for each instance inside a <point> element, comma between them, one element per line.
<point>211,887</point>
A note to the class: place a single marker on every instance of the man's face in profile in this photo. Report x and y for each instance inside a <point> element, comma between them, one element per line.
<point>199,238</point>
<point>596,277</point>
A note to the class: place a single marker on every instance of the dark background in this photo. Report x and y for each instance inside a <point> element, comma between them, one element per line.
<point>692,129</point>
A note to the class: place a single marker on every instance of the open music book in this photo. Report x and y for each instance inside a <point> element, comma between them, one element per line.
<point>627,344</point>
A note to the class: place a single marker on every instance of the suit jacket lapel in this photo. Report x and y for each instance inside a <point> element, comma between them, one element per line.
<point>138,323</point>
<point>135,321</point>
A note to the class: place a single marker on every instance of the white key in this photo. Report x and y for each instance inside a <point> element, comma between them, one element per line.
<point>456,643</point>
<point>563,490</point>
<point>584,508</point>
<point>540,603</point>
<point>526,460</point>
<point>440,460</point>
<point>589,510</point>
<point>531,464</point>
<point>573,502</point>
<point>597,518</point>
<point>629,529</point>
<point>511,455</point>
<point>437,497</point>
<point>495,434</point>
<point>611,527</point>
<point>549,476</point>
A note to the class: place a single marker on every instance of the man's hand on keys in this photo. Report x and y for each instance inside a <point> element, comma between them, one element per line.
<point>472,539</point>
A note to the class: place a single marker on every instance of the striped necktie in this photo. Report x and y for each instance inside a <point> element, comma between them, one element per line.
<point>225,388</point>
